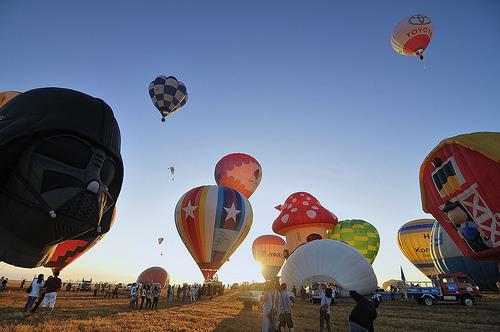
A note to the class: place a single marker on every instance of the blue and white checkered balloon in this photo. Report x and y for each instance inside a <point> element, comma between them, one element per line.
<point>168,94</point>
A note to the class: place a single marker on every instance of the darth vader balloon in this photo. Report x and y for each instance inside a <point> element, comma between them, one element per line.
<point>60,172</point>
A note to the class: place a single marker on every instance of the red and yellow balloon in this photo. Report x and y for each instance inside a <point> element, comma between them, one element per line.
<point>212,221</point>
<point>268,251</point>
<point>240,172</point>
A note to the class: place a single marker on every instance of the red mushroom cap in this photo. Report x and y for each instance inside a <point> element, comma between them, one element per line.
<point>303,209</point>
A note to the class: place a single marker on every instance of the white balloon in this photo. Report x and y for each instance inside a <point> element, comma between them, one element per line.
<point>329,261</point>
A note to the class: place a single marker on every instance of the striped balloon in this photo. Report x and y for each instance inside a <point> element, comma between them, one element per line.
<point>212,221</point>
<point>412,35</point>
<point>359,234</point>
<point>168,94</point>
<point>414,240</point>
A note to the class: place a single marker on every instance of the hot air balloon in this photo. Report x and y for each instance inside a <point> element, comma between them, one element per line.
<point>6,96</point>
<point>60,173</point>
<point>167,94</point>
<point>459,186</point>
<point>212,221</point>
<point>154,275</point>
<point>448,259</point>
<point>268,251</point>
<point>329,261</point>
<point>414,242</point>
<point>412,35</point>
<point>240,172</point>
<point>68,251</point>
<point>359,234</point>
<point>172,170</point>
<point>302,219</point>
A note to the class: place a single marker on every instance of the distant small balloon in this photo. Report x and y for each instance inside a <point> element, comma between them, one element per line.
<point>168,94</point>
<point>412,36</point>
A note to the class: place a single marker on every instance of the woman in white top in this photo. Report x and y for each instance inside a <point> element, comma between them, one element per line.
<point>324,310</point>
<point>36,287</point>
<point>267,308</point>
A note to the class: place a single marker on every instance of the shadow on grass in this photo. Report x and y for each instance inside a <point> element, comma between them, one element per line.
<point>245,320</point>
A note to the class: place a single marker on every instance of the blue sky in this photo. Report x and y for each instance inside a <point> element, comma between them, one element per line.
<point>313,91</point>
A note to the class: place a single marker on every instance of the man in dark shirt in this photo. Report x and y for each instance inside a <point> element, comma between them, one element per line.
<point>52,286</point>
<point>362,316</point>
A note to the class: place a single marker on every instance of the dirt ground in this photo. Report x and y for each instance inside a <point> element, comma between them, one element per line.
<point>83,312</point>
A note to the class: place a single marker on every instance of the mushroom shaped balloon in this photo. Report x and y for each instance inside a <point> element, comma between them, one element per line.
<point>6,96</point>
<point>359,234</point>
<point>154,275</point>
<point>302,219</point>
<point>412,35</point>
<point>240,172</point>
<point>460,186</point>
<point>212,221</point>
<point>268,251</point>
<point>414,242</point>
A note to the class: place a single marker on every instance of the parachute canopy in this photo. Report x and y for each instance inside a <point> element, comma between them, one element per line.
<point>414,242</point>
<point>459,186</point>
<point>268,251</point>
<point>412,35</point>
<point>359,234</point>
<point>160,240</point>
<point>329,261</point>
<point>212,221</point>
<point>240,172</point>
<point>156,275</point>
<point>448,259</point>
<point>167,94</point>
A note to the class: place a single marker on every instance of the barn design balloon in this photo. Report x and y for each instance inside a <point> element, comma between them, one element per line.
<point>268,251</point>
<point>212,221</point>
<point>459,186</point>
<point>414,242</point>
<point>240,172</point>
<point>412,35</point>
<point>60,172</point>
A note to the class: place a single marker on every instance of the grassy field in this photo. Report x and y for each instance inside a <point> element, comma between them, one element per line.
<point>83,312</point>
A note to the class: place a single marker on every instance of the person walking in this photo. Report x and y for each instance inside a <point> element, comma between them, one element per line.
<point>285,309</point>
<point>267,308</point>
<point>324,310</point>
<point>36,288</point>
<point>156,296</point>
<point>148,296</point>
<point>362,316</point>
<point>53,285</point>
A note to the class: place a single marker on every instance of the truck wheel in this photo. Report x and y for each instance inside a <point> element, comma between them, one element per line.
<point>467,301</point>
<point>428,301</point>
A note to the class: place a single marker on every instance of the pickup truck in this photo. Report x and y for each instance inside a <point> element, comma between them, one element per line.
<point>456,287</point>
<point>250,298</point>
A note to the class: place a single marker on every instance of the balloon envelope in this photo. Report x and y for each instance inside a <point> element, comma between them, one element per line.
<point>6,96</point>
<point>464,172</point>
<point>412,35</point>
<point>448,259</point>
<point>414,242</point>
<point>212,221</point>
<point>359,234</point>
<point>154,274</point>
<point>329,261</point>
<point>240,172</point>
<point>168,94</point>
<point>268,251</point>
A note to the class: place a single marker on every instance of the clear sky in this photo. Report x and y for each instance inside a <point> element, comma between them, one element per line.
<point>313,90</point>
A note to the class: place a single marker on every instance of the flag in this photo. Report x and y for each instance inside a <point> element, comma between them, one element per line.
<point>402,274</point>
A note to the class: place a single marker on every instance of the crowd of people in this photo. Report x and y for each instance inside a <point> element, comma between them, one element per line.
<point>277,304</point>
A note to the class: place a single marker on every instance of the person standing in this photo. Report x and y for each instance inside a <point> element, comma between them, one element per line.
<point>36,289</point>
<point>156,296</point>
<point>362,316</point>
<point>193,293</point>
<point>108,291</point>
<point>148,296</point>
<point>115,292</point>
<point>184,291</point>
<point>143,295</point>
<point>4,284</point>
<point>303,294</point>
<point>267,308</point>
<point>133,296</point>
<point>294,291</point>
<point>170,293</point>
<point>53,285</point>
<point>285,309</point>
<point>179,293</point>
<point>22,284</point>
<point>324,310</point>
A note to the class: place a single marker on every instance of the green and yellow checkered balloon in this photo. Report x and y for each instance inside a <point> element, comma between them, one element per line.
<point>359,234</point>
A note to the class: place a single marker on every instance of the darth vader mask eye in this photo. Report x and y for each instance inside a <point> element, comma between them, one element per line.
<point>107,173</point>
<point>57,148</point>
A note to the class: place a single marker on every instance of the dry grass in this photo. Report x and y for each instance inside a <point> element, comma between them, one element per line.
<point>83,312</point>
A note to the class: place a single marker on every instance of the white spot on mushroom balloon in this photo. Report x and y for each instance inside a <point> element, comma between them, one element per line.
<point>294,210</point>
<point>305,203</point>
<point>311,214</point>
<point>294,200</point>
<point>315,207</point>
<point>284,219</point>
